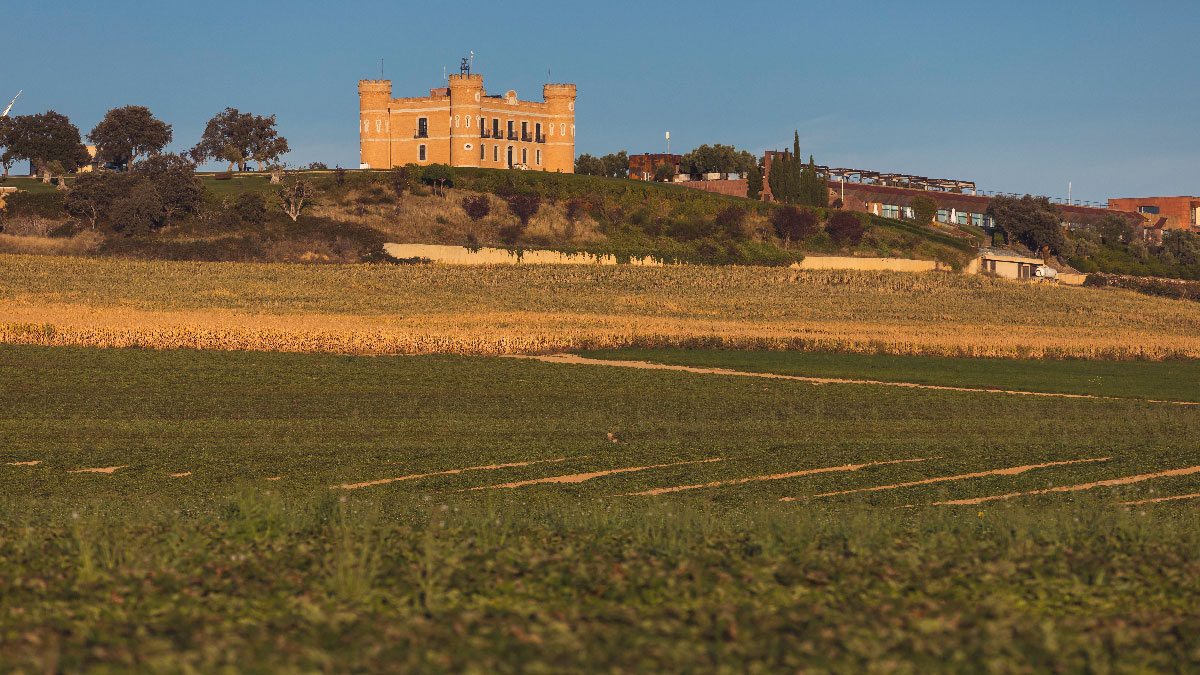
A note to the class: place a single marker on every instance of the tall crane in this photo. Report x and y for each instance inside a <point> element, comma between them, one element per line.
<point>10,105</point>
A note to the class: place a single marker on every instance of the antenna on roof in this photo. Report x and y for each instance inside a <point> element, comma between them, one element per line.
<point>464,68</point>
<point>472,58</point>
<point>381,69</point>
<point>547,76</point>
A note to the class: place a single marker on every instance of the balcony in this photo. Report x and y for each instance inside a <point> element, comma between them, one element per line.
<point>512,135</point>
<point>526,137</point>
<point>486,133</point>
<point>541,138</point>
<point>421,133</point>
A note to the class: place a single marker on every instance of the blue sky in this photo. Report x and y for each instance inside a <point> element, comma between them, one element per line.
<point>1018,96</point>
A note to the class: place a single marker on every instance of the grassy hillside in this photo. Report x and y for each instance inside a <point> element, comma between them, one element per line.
<point>224,539</point>
<point>353,212</point>
<point>407,309</point>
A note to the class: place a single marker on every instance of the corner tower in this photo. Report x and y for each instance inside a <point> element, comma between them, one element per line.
<point>374,125</point>
<point>466,96</point>
<point>560,142</point>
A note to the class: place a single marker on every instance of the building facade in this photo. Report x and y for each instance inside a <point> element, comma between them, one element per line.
<point>462,125</point>
<point>642,167</point>
<point>1162,213</point>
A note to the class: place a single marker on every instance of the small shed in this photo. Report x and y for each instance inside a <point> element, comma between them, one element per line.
<point>1007,264</point>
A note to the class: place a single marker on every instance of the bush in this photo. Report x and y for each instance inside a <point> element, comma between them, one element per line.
<point>440,176</point>
<point>575,207</point>
<point>510,234</point>
<point>139,211</point>
<point>794,224</point>
<point>729,222</point>
<point>524,205</point>
<point>924,209</point>
<point>477,207</point>
<point>845,228</point>
<point>250,208</point>
<point>1084,265</point>
<point>50,205</point>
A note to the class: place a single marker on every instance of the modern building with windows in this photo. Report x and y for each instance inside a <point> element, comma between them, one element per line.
<point>462,125</point>
<point>1162,213</point>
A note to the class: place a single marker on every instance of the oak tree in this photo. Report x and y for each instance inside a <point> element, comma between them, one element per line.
<point>127,133</point>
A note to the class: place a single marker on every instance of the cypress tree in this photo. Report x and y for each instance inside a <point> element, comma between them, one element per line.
<point>795,173</point>
<point>754,182</point>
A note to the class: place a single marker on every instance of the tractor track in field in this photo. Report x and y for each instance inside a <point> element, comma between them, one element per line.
<point>575,359</point>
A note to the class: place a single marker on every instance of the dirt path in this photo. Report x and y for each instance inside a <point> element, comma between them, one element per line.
<point>447,472</point>
<point>1125,480</point>
<point>580,477</point>
<point>1156,500</point>
<point>107,469</point>
<point>646,365</point>
<point>774,476</point>
<point>1011,471</point>
<point>30,463</point>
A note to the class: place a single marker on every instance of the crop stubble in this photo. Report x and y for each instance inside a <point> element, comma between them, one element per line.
<point>530,309</point>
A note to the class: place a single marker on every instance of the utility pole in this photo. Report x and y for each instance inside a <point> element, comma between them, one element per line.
<point>668,142</point>
<point>1068,192</point>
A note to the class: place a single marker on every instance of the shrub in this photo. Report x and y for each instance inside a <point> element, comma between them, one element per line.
<point>477,207</point>
<point>1084,265</point>
<point>250,208</point>
<point>43,204</point>
<point>317,166</point>
<point>440,176</point>
<point>524,205</point>
<point>837,203</point>
<point>845,228</point>
<point>794,224</point>
<point>339,174</point>
<point>510,234</point>
<point>575,207</point>
<point>924,209</point>
<point>138,211</point>
<point>729,221</point>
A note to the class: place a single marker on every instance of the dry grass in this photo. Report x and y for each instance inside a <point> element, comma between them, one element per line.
<point>504,310</point>
<point>432,219</point>
<point>82,243</point>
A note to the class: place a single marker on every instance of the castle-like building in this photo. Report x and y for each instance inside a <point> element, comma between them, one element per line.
<point>462,125</point>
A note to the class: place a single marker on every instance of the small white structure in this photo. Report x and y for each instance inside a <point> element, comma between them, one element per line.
<point>1009,265</point>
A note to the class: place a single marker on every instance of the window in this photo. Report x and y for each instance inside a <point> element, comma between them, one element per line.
<point>482,151</point>
<point>539,157</point>
<point>495,153</point>
<point>524,155</point>
<point>512,133</point>
<point>943,216</point>
<point>537,132</point>
<point>908,213</point>
<point>890,211</point>
<point>495,127</point>
<point>422,127</point>
<point>977,219</point>
<point>962,218</point>
<point>422,150</point>
<point>1148,209</point>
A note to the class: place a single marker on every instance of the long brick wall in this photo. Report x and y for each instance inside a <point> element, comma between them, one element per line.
<point>733,188</point>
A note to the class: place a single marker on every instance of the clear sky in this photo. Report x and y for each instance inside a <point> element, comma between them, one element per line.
<point>1019,96</point>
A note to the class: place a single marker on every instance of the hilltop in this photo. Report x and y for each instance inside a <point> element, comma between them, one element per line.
<point>353,213</point>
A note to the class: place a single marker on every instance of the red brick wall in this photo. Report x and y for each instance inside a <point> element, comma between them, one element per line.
<point>734,188</point>
<point>1177,210</point>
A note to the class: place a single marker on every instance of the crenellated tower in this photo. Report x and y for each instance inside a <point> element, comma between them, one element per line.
<point>560,142</point>
<point>374,125</point>
<point>466,96</point>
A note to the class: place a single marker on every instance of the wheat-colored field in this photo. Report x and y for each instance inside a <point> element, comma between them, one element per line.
<point>524,309</point>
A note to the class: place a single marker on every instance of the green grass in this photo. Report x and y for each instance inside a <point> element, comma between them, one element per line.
<point>29,184</point>
<point>224,569</point>
<point>1160,380</point>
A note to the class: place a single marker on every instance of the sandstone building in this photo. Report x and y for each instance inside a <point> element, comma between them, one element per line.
<point>462,125</point>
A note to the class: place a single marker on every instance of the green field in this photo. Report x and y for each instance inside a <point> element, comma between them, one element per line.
<point>254,562</point>
<point>1158,380</point>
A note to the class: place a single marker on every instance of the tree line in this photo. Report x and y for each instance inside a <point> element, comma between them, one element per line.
<point>53,146</point>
